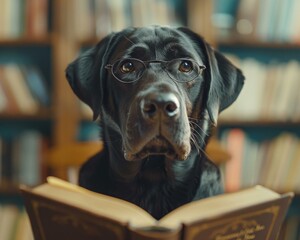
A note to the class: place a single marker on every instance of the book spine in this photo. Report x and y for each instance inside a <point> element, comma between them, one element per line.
<point>21,159</point>
<point>21,92</point>
<point>25,89</point>
<point>23,18</point>
<point>3,96</point>
<point>235,146</point>
<point>270,20</point>
<point>14,223</point>
<point>36,84</point>
<point>142,234</point>
<point>9,214</point>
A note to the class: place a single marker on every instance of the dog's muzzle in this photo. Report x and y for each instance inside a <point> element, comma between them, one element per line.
<point>161,127</point>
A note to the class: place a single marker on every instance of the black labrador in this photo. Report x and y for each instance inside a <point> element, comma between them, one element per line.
<point>158,91</point>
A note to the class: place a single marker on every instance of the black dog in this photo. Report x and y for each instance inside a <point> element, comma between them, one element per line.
<point>158,92</point>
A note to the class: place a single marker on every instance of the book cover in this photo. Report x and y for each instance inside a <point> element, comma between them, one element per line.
<point>236,146</point>
<point>60,210</point>
<point>11,105</point>
<point>37,85</point>
<point>15,79</point>
<point>3,96</point>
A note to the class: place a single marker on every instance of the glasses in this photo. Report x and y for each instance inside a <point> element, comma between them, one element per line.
<point>129,70</point>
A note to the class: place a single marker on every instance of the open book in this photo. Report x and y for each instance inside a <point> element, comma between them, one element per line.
<point>60,210</point>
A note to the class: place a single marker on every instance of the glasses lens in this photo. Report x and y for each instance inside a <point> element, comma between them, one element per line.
<point>128,70</point>
<point>183,70</point>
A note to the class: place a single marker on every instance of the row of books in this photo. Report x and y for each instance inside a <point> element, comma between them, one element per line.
<point>274,163</point>
<point>269,20</point>
<point>96,18</point>
<point>14,223</point>
<point>271,92</point>
<point>21,159</point>
<point>22,18</point>
<point>23,89</point>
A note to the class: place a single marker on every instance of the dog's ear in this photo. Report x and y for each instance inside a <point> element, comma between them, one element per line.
<point>224,80</point>
<point>87,71</point>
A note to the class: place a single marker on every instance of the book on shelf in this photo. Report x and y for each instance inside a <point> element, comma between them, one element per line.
<point>3,97</point>
<point>235,146</point>
<point>25,89</point>
<point>61,210</point>
<point>21,18</point>
<point>14,223</point>
<point>9,215</point>
<point>246,19</point>
<point>10,103</point>
<point>36,84</point>
<point>273,89</point>
<point>21,92</point>
<point>267,21</point>
<point>97,18</point>
<point>5,164</point>
<point>28,158</point>
<point>274,163</point>
<point>22,159</point>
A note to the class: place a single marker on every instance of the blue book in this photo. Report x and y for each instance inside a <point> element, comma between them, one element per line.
<point>37,85</point>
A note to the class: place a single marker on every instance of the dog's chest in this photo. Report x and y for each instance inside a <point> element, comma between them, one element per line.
<point>157,198</point>
<point>161,200</point>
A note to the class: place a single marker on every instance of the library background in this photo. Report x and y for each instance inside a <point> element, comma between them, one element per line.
<point>45,130</point>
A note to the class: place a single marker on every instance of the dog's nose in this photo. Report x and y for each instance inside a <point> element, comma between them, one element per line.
<point>155,104</point>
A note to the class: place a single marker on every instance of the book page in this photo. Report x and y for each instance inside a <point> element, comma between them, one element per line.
<point>217,205</point>
<point>110,207</point>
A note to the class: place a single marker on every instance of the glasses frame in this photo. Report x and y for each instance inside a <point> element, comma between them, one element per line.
<point>145,63</point>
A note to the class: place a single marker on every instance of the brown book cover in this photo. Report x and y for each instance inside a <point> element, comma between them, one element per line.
<point>60,210</point>
<point>11,103</point>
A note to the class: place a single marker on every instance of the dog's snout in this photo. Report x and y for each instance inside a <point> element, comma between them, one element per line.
<point>165,105</point>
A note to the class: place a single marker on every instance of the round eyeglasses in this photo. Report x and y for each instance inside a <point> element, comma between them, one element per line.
<point>129,70</point>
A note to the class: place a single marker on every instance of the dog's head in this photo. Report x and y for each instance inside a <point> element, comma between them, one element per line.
<point>161,88</point>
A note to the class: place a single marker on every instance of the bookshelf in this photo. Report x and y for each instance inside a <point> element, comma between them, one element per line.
<point>274,48</point>
<point>49,52</point>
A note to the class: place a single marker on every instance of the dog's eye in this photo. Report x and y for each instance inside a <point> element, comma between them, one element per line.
<point>185,66</point>
<point>127,67</point>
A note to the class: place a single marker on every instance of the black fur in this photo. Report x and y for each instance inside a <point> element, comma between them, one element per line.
<point>132,165</point>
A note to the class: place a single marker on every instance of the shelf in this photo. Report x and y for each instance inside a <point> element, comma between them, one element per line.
<point>89,42</point>
<point>45,40</point>
<point>42,114</point>
<point>254,43</point>
<point>259,123</point>
<point>9,189</point>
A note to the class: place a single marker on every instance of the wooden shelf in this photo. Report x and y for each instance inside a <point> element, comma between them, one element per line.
<point>232,42</point>
<point>9,190</point>
<point>42,114</point>
<point>259,123</point>
<point>89,42</point>
<point>250,43</point>
<point>45,40</point>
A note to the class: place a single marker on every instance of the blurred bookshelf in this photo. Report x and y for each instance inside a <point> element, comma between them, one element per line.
<point>235,27</point>
<point>261,131</point>
<point>26,69</point>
